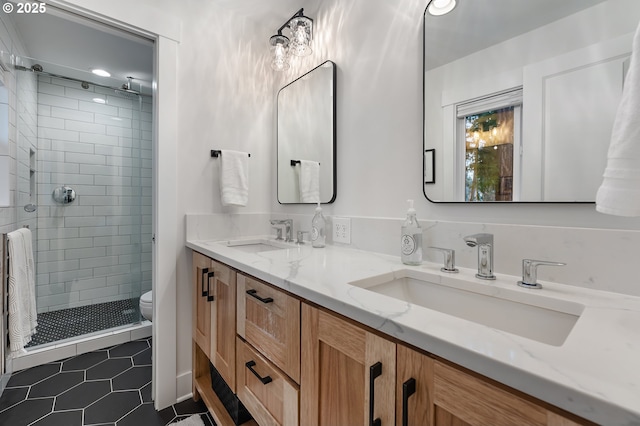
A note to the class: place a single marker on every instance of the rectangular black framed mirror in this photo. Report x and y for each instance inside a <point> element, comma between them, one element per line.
<point>520,97</point>
<point>306,144</point>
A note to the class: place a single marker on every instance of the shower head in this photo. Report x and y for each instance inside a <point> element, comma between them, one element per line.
<point>126,90</point>
<point>127,93</point>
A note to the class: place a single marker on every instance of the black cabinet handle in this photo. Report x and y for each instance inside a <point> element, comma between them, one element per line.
<point>408,389</point>
<point>205,271</point>
<point>264,380</point>
<point>210,297</point>
<point>254,294</point>
<point>374,371</point>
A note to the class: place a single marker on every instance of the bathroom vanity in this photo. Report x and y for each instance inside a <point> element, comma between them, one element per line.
<point>330,336</point>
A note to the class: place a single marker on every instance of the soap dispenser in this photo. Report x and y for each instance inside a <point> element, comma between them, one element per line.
<point>318,224</point>
<point>411,241</point>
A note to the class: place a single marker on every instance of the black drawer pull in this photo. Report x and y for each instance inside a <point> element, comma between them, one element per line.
<point>264,380</point>
<point>374,371</point>
<point>210,297</point>
<point>254,294</point>
<point>408,389</point>
<point>205,271</point>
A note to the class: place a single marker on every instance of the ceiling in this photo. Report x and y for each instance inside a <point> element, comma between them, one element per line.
<point>59,40</point>
<point>68,45</point>
<point>477,24</point>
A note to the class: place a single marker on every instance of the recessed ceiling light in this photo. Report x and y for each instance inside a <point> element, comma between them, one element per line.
<point>101,73</point>
<point>441,7</point>
<point>99,100</point>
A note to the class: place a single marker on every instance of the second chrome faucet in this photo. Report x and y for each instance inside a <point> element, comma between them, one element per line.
<point>484,242</point>
<point>288,228</point>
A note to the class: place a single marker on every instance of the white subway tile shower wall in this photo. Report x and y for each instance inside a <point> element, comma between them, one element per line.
<point>26,147</point>
<point>10,42</point>
<point>98,248</point>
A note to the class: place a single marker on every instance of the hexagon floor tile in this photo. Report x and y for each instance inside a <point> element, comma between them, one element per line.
<point>110,386</point>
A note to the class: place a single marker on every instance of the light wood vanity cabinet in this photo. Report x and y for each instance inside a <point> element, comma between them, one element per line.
<point>268,360</point>
<point>431,392</point>
<point>201,305</point>
<point>214,330</point>
<point>291,364</point>
<point>461,399</point>
<point>348,373</point>
<point>214,322</point>
<point>269,394</point>
<point>414,390</point>
<point>269,319</point>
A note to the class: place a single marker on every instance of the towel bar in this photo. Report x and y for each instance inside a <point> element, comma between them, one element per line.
<point>294,162</point>
<point>217,152</point>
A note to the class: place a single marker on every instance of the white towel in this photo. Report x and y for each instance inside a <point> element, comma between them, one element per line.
<point>309,181</point>
<point>22,291</point>
<point>619,193</point>
<point>234,178</point>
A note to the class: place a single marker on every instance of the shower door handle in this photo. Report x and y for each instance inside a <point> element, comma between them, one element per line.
<point>210,297</point>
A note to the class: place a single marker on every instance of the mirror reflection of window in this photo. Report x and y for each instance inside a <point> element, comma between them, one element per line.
<point>488,136</point>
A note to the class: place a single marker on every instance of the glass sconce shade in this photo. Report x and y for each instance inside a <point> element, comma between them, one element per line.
<point>279,52</point>
<point>441,7</point>
<point>301,34</point>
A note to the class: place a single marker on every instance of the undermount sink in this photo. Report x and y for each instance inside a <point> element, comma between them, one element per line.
<point>543,319</point>
<point>256,245</point>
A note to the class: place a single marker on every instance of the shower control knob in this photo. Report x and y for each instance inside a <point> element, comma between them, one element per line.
<point>64,195</point>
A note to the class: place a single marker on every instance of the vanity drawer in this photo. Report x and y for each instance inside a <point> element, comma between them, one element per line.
<point>269,319</point>
<point>269,395</point>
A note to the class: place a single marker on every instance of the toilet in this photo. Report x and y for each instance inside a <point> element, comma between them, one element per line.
<point>146,305</point>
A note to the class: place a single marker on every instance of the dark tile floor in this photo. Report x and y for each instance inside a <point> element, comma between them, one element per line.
<point>65,323</point>
<point>108,387</point>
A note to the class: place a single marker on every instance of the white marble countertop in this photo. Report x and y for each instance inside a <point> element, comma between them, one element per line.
<point>594,374</point>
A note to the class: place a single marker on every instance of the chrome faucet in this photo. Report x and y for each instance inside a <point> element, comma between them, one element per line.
<point>530,273</point>
<point>484,242</point>
<point>449,260</point>
<point>288,228</point>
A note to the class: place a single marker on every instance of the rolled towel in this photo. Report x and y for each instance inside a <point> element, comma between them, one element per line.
<point>234,178</point>
<point>22,309</point>
<point>619,193</point>
<point>309,181</point>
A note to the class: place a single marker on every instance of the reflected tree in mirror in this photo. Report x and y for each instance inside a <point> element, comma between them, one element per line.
<point>489,138</point>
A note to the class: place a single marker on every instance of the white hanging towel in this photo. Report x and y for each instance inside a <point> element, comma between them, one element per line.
<point>309,181</point>
<point>619,193</point>
<point>234,178</point>
<point>22,291</point>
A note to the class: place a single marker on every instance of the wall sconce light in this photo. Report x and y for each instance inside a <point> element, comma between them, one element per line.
<point>441,7</point>
<point>298,44</point>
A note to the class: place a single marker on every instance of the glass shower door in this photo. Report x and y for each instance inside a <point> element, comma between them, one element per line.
<point>85,161</point>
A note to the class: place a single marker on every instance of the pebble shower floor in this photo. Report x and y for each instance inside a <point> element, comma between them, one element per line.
<point>108,387</point>
<point>72,322</point>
